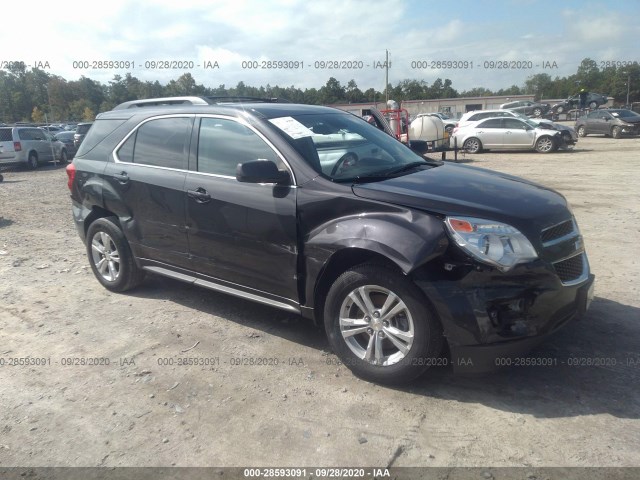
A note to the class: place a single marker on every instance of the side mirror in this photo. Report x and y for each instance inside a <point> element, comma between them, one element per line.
<point>261,171</point>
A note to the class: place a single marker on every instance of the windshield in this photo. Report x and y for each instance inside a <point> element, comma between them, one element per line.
<point>623,113</point>
<point>346,148</point>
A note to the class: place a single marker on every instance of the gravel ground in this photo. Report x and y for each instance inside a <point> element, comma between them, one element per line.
<point>302,408</point>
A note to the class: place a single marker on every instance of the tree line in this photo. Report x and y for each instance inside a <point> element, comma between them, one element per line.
<point>35,95</point>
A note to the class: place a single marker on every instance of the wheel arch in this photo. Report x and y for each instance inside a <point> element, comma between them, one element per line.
<point>394,241</point>
<point>95,214</point>
<point>336,265</point>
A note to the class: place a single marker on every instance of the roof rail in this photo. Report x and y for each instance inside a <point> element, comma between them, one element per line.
<point>193,100</point>
<point>157,102</point>
<point>240,99</point>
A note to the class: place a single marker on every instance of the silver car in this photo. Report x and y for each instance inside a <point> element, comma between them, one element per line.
<point>29,146</point>
<point>504,133</point>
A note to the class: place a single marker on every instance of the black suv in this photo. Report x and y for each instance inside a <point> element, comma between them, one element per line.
<point>313,210</point>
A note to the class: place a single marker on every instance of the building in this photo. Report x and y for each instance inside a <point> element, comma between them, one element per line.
<point>453,107</point>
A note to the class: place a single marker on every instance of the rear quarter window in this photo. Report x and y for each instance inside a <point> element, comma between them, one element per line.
<point>100,130</point>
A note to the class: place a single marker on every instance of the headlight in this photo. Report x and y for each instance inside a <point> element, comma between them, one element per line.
<point>494,243</point>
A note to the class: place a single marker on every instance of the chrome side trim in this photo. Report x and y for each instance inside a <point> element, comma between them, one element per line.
<point>196,116</point>
<point>221,288</point>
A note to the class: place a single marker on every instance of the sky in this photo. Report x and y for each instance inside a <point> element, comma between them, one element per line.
<point>467,41</point>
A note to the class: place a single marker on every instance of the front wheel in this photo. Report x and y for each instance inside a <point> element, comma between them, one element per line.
<point>545,145</point>
<point>616,132</point>
<point>472,145</point>
<point>560,109</point>
<point>537,112</point>
<point>582,131</point>
<point>379,325</point>
<point>110,256</point>
<point>593,105</point>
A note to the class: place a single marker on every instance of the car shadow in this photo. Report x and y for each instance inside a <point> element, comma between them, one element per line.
<point>591,366</point>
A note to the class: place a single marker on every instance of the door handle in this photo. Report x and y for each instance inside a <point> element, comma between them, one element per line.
<point>200,195</point>
<point>121,177</point>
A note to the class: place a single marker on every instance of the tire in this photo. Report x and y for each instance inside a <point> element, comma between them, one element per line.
<point>387,349</point>
<point>110,256</point>
<point>582,131</point>
<point>64,158</point>
<point>545,145</point>
<point>32,161</point>
<point>593,105</point>
<point>472,145</point>
<point>560,109</point>
<point>616,132</point>
<point>537,112</point>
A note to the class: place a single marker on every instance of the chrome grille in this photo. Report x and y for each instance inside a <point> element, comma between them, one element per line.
<point>557,232</point>
<point>571,268</point>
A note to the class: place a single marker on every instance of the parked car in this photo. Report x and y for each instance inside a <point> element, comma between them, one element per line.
<point>29,146</point>
<point>80,133</point>
<point>66,138</point>
<point>569,134</point>
<point>313,210</point>
<point>503,133</point>
<point>614,122</point>
<point>52,129</point>
<point>528,108</point>
<point>594,100</point>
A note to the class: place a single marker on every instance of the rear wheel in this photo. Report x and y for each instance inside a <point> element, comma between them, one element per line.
<point>32,160</point>
<point>545,145</point>
<point>472,145</point>
<point>582,131</point>
<point>379,325</point>
<point>110,256</point>
<point>537,112</point>
<point>593,105</point>
<point>560,109</point>
<point>616,132</point>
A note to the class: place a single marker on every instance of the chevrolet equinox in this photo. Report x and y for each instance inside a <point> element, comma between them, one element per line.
<point>315,211</point>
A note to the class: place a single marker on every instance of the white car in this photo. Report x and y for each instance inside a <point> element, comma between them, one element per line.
<point>504,133</point>
<point>569,133</point>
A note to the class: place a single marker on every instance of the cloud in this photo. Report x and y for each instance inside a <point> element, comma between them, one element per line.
<point>231,32</point>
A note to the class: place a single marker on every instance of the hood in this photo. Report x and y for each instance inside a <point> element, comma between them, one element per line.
<point>452,189</point>
<point>633,120</point>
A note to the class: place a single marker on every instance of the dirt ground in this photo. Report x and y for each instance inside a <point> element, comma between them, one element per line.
<point>302,408</point>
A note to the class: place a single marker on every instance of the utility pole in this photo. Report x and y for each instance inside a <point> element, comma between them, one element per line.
<point>386,80</point>
<point>628,85</point>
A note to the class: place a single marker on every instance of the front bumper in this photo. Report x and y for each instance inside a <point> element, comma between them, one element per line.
<point>490,357</point>
<point>489,317</point>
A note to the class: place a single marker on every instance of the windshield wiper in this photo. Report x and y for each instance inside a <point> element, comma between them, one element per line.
<point>403,168</point>
<point>385,173</point>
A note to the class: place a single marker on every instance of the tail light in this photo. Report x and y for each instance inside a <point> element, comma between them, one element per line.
<point>17,146</point>
<point>71,173</point>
